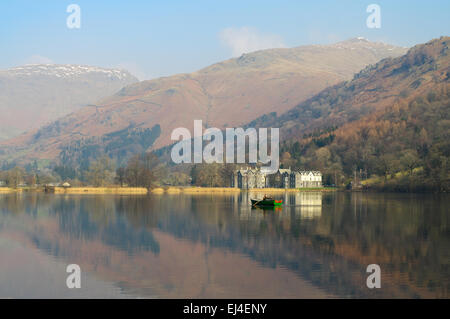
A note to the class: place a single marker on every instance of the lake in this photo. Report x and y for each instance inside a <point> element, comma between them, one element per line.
<point>216,246</point>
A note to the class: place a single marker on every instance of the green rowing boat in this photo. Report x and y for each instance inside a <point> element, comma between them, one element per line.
<point>267,202</point>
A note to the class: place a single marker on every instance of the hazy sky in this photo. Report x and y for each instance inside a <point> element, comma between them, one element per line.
<point>155,38</point>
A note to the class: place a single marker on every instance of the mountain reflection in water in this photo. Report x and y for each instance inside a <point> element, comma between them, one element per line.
<point>207,246</point>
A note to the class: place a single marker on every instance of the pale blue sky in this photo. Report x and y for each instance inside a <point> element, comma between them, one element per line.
<point>154,38</point>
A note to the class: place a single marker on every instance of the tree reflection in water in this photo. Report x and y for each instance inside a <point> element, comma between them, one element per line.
<point>325,239</point>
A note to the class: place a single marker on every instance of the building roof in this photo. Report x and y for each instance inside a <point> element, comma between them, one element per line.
<point>247,171</point>
<point>315,173</point>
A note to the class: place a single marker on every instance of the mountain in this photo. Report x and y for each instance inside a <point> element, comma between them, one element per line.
<point>34,95</point>
<point>142,116</point>
<point>389,126</point>
<point>423,68</point>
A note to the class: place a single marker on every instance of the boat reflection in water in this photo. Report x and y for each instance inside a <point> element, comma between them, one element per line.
<point>304,205</point>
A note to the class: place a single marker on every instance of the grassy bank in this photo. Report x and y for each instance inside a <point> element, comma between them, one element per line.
<point>4,190</point>
<point>210,190</point>
<point>406,182</point>
<point>101,190</point>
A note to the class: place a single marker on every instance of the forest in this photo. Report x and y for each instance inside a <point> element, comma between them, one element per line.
<point>404,147</point>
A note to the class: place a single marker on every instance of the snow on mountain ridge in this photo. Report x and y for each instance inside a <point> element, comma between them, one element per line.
<point>65,71</point>
<point>33,95</point>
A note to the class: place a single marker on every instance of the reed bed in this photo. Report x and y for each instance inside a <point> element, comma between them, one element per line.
<point>5,190</point>
<point>102,190</point>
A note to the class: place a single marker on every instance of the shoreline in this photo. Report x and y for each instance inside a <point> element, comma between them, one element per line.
<point>232,190</point>
<point>7,190</point>
<point>191,190</point>
<point>99,190</point>
<point>157,190</point>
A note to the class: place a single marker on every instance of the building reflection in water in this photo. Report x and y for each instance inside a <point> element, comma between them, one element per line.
<point>216,245</point>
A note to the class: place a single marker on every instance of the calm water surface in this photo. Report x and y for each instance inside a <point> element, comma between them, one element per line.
<point>216,246</point>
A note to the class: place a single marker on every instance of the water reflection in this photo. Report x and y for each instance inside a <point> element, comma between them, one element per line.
<point>317,245</point>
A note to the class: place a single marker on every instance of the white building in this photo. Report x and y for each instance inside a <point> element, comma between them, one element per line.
<point>306,179</point>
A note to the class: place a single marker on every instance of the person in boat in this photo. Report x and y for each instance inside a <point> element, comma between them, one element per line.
<point>267,197</point>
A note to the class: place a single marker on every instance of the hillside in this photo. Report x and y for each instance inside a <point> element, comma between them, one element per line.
<point>388,128</point>
<point>34,95</point>
<point>228,94</point>
<point>372,89</point>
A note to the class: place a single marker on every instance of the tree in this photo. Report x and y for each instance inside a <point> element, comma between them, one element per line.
<point>386,165</point>
<point>143,170</point>
<point>15,176</point>
<point>207,175</point>
<point>132,171</point>
<point>227,173</point>
<point>286,160</point>
<point>65,172</point>
<point>44,178</point>
<point>437,168</point>
<point>121,176</point>
<point>336,173</point>
<point>100,172</point>
<point>177,178</point>
<point>146,178</point>
<point>410,160</point>
<point>323,156</point>
<point>31,179</point>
